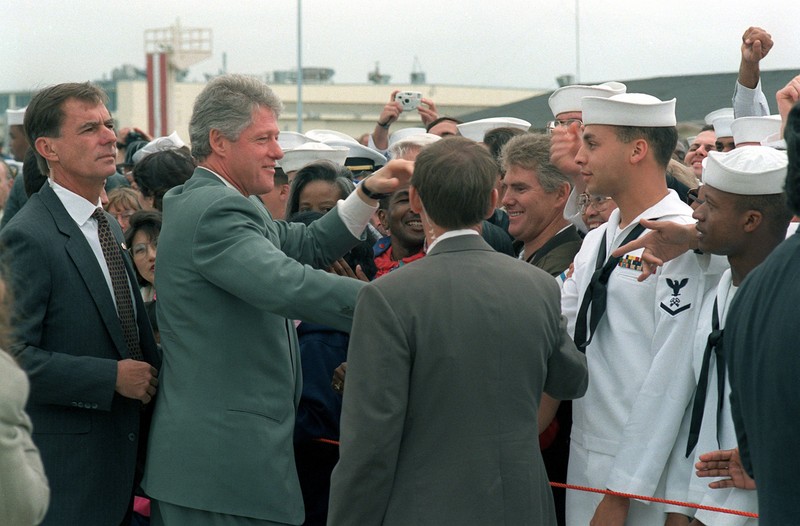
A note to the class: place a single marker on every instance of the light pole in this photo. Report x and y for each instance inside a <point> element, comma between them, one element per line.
<point>300,66</point>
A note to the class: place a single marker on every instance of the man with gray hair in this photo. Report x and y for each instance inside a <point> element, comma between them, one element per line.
<point>230,280</point>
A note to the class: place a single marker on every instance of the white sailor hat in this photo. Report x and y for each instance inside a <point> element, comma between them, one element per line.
<point>423,139</point>
<point>722,112</point>
<point>475,130</point>
<point>304,154</point>
<point>360,158</point>
<point>403,133</point>
<point>755,129</point>
<point>15,117</point>
<point>755,170</point>
<point>722,126</point>
<point>160,144</point>
<point>329,135</point>
<point>289,140</point>
<point>568,98</point>
<point>629,109</point>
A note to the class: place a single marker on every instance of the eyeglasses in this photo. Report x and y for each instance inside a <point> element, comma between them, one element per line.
<point>552,125</point>
<point>139,250</point>
<point>597,202</point>
<point>693,196</point>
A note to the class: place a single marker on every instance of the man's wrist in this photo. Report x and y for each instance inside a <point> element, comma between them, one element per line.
<point>369,193</point>
<point>384,126</point>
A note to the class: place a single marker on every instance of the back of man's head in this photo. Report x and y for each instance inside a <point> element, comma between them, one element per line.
<point>792,136</point>
<point>45,113</point>
<point>455,178</point>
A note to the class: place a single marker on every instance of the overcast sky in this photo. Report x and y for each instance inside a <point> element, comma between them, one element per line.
<point>512,43</point>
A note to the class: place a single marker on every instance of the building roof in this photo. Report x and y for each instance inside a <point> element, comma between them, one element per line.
<point>697,95</point>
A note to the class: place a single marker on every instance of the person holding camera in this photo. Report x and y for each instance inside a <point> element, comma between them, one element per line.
<point>379,140</point>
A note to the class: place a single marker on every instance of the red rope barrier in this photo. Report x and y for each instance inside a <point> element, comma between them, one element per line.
<point>626,495</point>
<point>655,499</point>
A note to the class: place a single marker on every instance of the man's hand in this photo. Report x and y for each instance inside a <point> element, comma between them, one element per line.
<point>786,98</point>
<point>564,145</point>
<point>137,380</point>
<point>676,519</point>
<point>667,241</point>
<point>394,176</point>
<point>342,268</point>
<point>725,463</point>
<point>390,113</point>
<point>427,113</point>
<point>756,44</point>
<point>612,511</point>
<point>338,378</point>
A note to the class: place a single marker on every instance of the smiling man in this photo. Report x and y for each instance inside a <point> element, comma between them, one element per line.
<point>535,193</point>
<point>635,335</point>
<point>703,143</point>
<point>229,281</point>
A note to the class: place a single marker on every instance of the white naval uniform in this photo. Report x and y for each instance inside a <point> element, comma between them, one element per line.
<point>640,376</point>
<point>698,490</point>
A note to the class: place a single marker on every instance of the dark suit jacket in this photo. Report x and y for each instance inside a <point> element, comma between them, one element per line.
<point>69,340</point>
<point>760,345</point>
<point>446,367</point>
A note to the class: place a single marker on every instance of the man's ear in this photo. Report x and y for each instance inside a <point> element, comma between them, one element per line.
<point>492,202</point>
<point>383,219</point>
<point>414,200</point>
<point>752,220</point>
<point>217,141</point>
<point>639,151</point>
<point>46,148</point>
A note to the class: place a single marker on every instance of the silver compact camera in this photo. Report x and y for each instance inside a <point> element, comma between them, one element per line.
<point>409,100</point>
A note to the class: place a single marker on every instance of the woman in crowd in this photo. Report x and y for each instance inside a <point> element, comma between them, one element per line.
<point>123,202</point>
<point>317,187</point>
<point>156,173</point>
<point>142,241</point>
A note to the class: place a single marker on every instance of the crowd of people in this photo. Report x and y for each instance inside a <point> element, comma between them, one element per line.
<point>423,326</point>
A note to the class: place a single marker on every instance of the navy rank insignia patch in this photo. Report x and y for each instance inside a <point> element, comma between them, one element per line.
<point>631,262</point>
<point>675,306</point>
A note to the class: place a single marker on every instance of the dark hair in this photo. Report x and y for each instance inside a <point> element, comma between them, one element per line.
<point>337,175</point>
<point>661,140</point>
<point>361,254</point>
<point>158,172</point>
<point>773,209</point>
<point>497,138</point>
<point>45,113</point>
<point>707,127</point>
<point>442,119</point>
<point>280,177</point>
<point>454,179</point>
<point>32,178</point>
<point>792,136</point>
<point>147,221</point>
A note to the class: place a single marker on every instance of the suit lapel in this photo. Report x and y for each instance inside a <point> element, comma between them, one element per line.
<point>87,266</point>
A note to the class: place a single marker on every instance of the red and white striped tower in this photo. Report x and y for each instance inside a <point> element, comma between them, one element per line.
<point>170,50</point>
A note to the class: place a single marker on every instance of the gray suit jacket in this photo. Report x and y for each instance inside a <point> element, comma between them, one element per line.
<point>447,362</point>
<point>69,340</point>
<point>228,278</point>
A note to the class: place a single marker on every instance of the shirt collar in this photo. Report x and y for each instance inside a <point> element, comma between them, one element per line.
<point>224,181</point>
<point>79,208</point>
<point>452,233</point>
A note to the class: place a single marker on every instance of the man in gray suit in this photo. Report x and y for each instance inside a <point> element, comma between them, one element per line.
<point>230,281</point>
<point>447,363</point>
<point>91,361</point>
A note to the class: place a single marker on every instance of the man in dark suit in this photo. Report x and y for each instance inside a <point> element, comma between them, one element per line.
<point>86,346</point>
<point>446,367</point>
